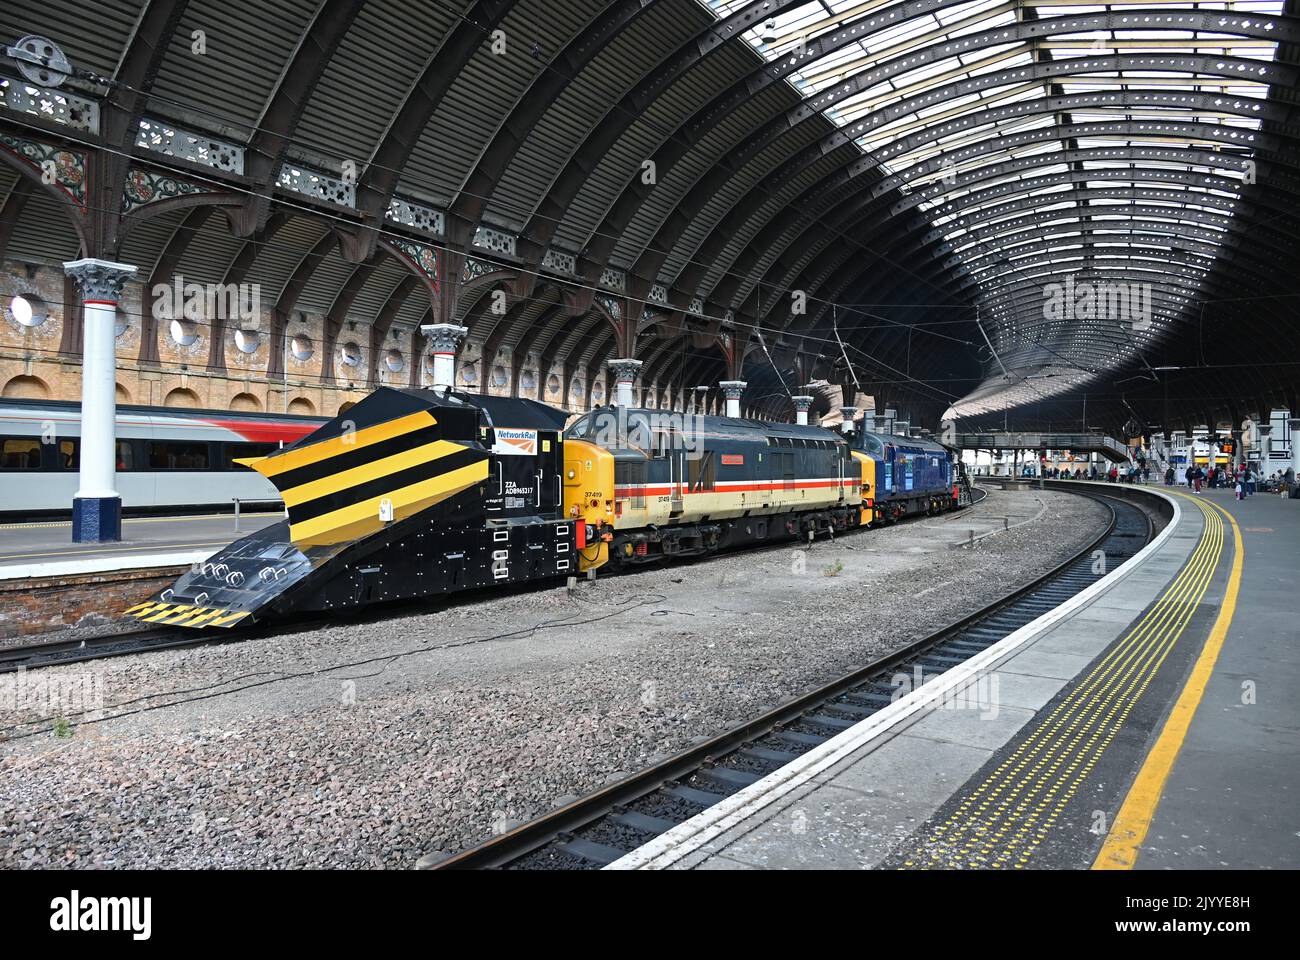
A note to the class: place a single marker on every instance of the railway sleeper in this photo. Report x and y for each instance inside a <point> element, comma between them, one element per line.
<point>642,822</point>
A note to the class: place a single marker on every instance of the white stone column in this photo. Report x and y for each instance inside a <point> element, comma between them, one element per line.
<point>625,374</point>
<point>732,389</point>
<point>444,339</point>
<point>802,403</point>
<point>699,401</point>
<point>97,508</point>
<point>848,413</point>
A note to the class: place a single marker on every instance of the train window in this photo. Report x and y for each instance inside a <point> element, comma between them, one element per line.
<point>20,453</point>
<point>638,431</point>
<point>178,456</point>
<point>125,455</point>
<point>68,459</point>
<point>243,451</point>
<point>579,430</point>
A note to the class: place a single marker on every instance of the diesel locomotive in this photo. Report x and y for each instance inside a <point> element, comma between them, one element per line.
<point>905,475</point>
<point>413,493</point>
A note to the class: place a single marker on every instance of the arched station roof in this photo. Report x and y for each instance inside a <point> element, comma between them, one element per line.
<point>956,207</point>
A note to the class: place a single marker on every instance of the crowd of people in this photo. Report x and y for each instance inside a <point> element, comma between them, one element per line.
<point>1131,473</point>
<point>1244,480</point>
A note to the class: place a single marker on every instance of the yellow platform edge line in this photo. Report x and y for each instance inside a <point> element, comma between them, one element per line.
<point>1127,834</point>
<point>1053,742</point>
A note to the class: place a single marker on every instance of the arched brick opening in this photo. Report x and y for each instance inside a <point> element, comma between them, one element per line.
<point>26,388</point>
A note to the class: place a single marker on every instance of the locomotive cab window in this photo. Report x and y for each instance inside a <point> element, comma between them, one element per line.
<point>639,435</point>
<point>581,429</point>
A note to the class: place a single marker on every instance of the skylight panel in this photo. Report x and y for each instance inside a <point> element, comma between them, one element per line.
<point>986,218</point>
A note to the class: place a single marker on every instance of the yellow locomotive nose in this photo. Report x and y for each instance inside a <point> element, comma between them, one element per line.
<point>588,495</point>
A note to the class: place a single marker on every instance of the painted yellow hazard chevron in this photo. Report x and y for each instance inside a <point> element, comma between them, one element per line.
<point>333,489</point>
<point>185,615</point>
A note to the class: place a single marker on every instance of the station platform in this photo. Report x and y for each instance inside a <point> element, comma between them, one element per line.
<point>45,549</point>
<point>1150,722</point>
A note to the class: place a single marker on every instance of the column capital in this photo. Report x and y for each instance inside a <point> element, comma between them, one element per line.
<point>99,279</point>
<point>802,402</point>
<point>732,389</point>
<point>444,337</point>
<point>625,369</point>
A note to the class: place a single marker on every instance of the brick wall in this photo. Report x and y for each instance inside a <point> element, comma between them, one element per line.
<point>62,607</point>
<point>43,361</point>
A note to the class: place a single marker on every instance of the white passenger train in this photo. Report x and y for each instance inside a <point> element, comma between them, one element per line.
<point>166,459</point>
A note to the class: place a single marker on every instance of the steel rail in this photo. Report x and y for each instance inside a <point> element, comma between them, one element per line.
<point>558,826</point>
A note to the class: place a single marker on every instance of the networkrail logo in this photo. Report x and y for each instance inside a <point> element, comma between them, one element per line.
<point>77,914</point>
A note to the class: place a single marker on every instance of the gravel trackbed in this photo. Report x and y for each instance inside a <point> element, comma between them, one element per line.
<point>370,744</point>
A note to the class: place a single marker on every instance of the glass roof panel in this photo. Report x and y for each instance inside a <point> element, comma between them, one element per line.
<point>979,137</point>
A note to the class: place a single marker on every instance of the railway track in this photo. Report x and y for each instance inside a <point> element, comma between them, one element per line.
<point>601,827</point>
<point>33,656</point>
<point>48,654</point>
